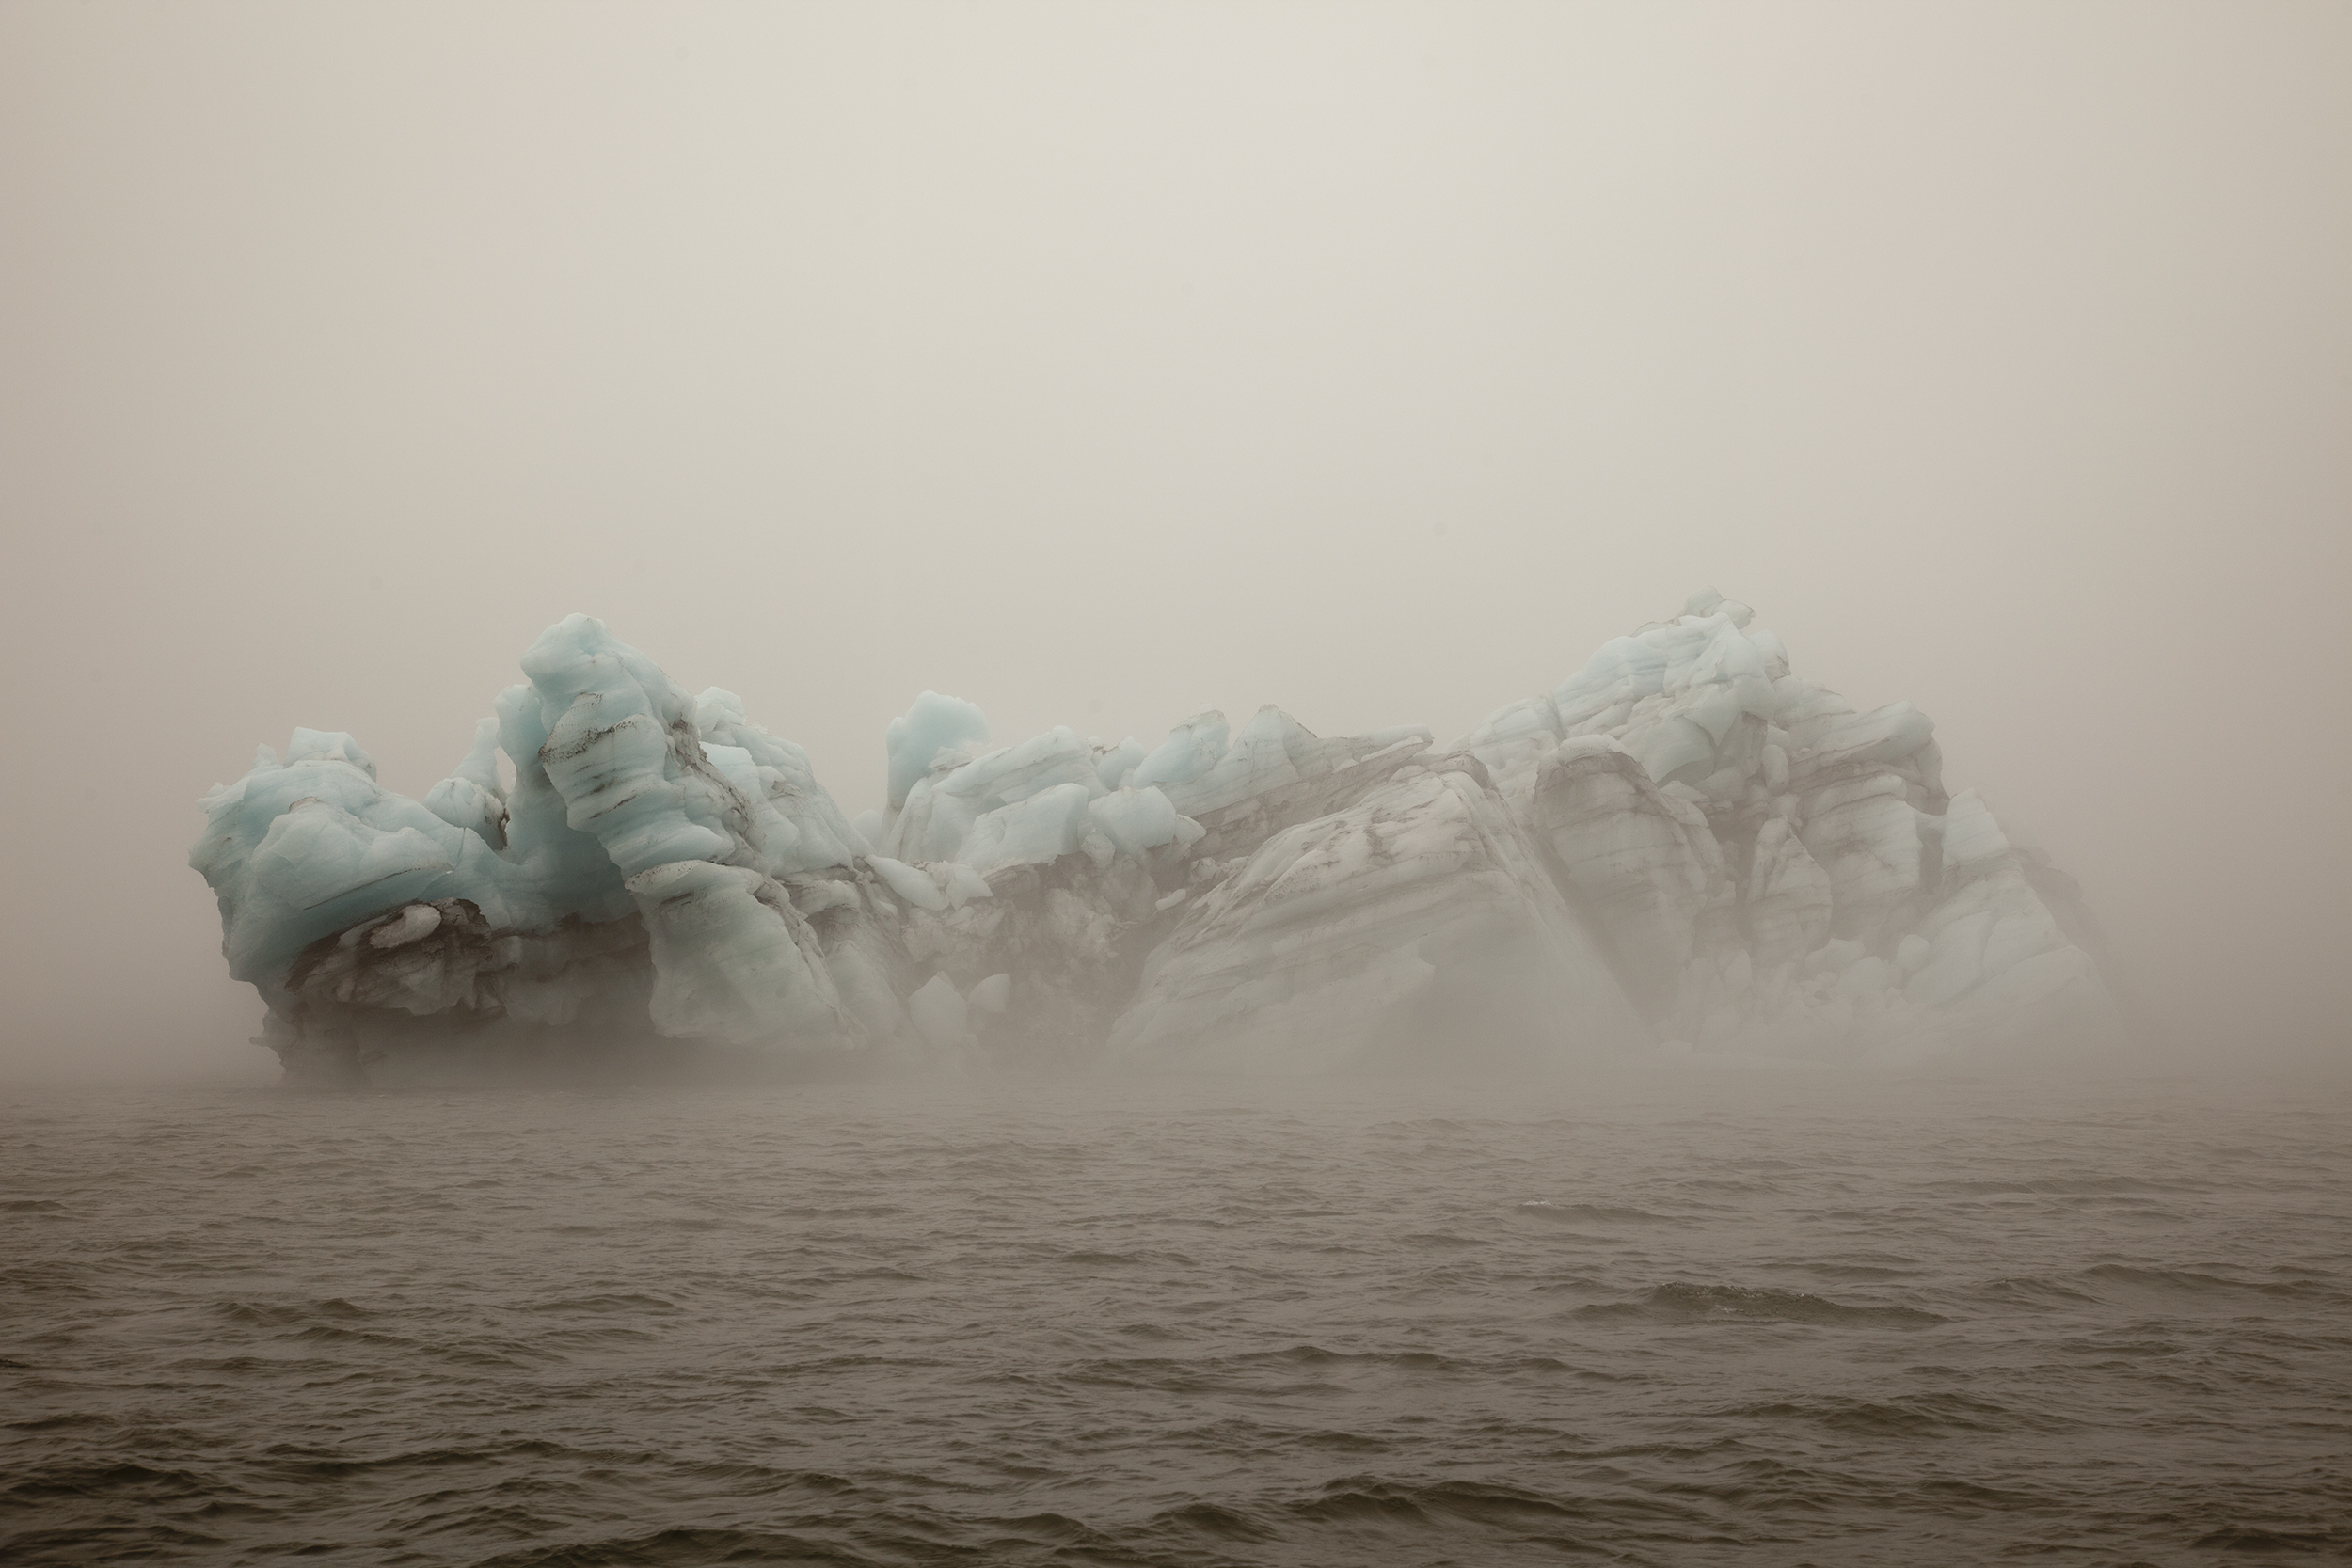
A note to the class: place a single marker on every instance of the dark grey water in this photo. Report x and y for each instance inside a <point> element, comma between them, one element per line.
<point>1756,1320</point>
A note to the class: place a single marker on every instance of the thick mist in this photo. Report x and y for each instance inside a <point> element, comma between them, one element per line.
<point>1102,364</point>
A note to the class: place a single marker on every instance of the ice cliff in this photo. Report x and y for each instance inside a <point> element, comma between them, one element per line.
<point>1683,847</point>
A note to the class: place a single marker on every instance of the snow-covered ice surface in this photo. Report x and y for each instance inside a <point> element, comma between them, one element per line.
<point>1682,849</point>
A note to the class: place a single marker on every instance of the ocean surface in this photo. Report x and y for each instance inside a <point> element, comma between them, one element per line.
<point>1688,1319</point>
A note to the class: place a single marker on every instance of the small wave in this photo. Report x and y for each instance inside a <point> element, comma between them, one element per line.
<point>31,1205</point>
<point>300,1460</point>
<point>1684,1302</point>
<point>1603,1213</point>
<point>2254,1538</point>
<point>2079,1186</point>
<point>599,1334</point>
<point>2032,1291</point>
<point>1039,1530</point>
<point>331,1334</point>
<point>1554,1365</point>
<point>54,1278</point>
<point>1979,1495</point>
<point>1573,1284</point>
<point>2195,1282</point>
<point>1249,1369</point>
<point>1919,1414</point>
<point>1151,1331</point>
<point>683,1548</point>
<point>1315,1355</point>
<point>238,1366</point>
<point>1845,1271</point>
<point>1212,1519</point>
<point>106,1481</point>
<point>65,1421</point>
<point>311,1466</point>
<point>286,1314</point>
<point>510,1358</point>
<point>1370,1498</point>
<point>1344,1442</point>
<point>623,1302</point>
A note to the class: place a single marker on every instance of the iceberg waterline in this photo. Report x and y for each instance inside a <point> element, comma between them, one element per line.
<point>1683,847</point>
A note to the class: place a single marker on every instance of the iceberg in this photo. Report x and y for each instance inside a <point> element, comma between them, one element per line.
<point>1418,916</point>
<point>1683,847</point>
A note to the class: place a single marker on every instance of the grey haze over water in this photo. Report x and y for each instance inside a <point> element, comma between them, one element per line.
<point>1751,1318</point>
<point>1104,363</point>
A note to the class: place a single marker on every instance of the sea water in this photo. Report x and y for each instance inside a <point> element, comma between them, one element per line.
<point>1683,1319</point>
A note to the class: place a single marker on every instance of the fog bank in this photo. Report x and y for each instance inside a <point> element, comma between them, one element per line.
<point>1105,364</point>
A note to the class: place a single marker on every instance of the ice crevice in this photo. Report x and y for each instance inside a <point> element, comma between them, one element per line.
<point>1681,848</point>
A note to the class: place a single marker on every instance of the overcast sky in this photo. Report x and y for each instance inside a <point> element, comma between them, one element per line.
<point>1104,363</point>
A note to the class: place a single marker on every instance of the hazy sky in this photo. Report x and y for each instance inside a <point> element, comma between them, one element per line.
<point>1102,362</point>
